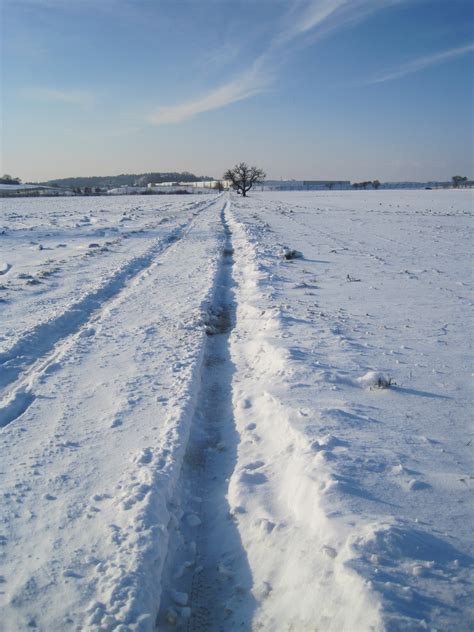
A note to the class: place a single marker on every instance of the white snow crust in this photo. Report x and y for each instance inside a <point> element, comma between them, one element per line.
<point>200,433</point>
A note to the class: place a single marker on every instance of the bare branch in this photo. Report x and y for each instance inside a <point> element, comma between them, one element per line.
<point>243,177</point>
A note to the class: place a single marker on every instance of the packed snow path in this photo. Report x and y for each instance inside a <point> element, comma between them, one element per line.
<point>197,430</point>
<point>206,554</point>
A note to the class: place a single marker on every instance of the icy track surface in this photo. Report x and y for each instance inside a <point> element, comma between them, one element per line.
<point>222,414</point>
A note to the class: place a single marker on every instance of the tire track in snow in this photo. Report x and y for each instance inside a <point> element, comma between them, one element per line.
<point>39,351</point>
<point>205,556</point>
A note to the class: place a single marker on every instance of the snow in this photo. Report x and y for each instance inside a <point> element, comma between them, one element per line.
<point>199,430</point>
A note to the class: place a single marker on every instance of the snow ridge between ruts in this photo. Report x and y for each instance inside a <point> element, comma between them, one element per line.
<point>298,553</point>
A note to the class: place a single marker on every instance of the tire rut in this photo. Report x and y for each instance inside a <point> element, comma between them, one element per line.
<point>38,351</point>
<point>207,581</point>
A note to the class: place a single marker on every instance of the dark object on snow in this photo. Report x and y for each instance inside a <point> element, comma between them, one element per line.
<point>383,382</point>
<point>292,254</point>
<point>243,177</point>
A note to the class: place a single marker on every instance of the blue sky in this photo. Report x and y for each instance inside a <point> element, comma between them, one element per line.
<point>350,89</point>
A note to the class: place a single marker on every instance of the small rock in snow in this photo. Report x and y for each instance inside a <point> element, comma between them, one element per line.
<point>290,254</point>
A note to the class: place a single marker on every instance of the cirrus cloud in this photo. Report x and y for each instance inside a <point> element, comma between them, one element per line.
<point>246,85</point>
<point>317,17</point>
<point>79,98</point>
<point>420,63</point>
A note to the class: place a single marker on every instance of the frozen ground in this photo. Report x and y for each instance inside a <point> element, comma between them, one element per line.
<point>201,433</point>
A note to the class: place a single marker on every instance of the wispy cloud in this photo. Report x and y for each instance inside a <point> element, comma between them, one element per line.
<point>307,16</point>
<point>317,17</point>
<point>248,84</point>
<point>422,62</point>
<point>218,58</point>
<point>78,98</point>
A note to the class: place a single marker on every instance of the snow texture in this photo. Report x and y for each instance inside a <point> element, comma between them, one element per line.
<point>202,433</point>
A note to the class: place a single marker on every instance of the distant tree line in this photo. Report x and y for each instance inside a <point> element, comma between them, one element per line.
<point>363,185</point>
<point>125,179</point>
<point>459,181</point>
<point>7,179</point>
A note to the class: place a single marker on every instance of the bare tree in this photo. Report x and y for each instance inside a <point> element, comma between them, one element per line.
<point>244,177</point>
<point>458,180</point>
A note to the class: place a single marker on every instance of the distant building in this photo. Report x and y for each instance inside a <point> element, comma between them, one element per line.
<point>201,184</point>
<point>125,189</point>
<point>31,190</point>
<point>304,185</point>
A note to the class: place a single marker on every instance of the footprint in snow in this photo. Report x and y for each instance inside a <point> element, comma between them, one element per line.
<point>99,497</point>
<point>254,466</point>
<point>193,520</point>
<point>4,267</point>
<point>263,591</point>
<point>416,485</point>
<point>145,457</point>
<point>330,551</point>
<point>72,574</point>
<point>265,525</point>
<point>235,511</point>
<point>180,598</point>
<point>253,478</point>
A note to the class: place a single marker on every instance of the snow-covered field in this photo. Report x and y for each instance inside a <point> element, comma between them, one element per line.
<point>201,433</point>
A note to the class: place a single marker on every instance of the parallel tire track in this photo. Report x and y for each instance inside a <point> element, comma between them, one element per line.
<point>41,347</point>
